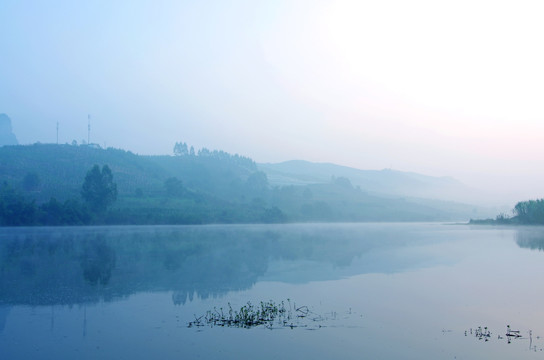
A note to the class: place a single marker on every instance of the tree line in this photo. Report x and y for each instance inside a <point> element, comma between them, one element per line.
<point>98,192</point>
<point>182,149</point>
<point>530,212</point>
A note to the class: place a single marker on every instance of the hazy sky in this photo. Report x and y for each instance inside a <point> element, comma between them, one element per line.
<point>437,87</point>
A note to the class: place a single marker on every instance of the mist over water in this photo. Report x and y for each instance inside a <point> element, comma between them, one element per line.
<point>382,290</point>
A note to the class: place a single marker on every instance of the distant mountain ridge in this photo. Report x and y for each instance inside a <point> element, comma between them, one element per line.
<point>383,182</point>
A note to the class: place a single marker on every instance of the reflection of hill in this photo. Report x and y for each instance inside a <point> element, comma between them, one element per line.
<point>86,265</point>
<point>66,266</point>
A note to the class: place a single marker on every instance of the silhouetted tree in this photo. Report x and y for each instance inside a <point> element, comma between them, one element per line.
<point>99,190</point>
<point>180,149</point>
<point>530,212</point>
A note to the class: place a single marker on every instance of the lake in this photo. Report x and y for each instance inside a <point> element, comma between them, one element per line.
<point>352,291</point>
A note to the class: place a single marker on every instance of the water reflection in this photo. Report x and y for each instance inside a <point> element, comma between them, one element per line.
<point>530,238</point>
<point>86,265</point>
<point>97,261</point>
<point>4,311</point>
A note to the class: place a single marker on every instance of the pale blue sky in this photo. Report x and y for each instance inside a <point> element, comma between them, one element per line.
<point>441,88</point>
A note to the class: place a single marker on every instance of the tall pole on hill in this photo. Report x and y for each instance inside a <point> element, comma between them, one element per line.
<point>89,129</point>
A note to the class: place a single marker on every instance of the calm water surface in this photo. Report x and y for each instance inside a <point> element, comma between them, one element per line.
<point>375,291</point>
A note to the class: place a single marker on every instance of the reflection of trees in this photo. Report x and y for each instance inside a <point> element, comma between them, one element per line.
<point>73,265</point>
<point>67,266</point>
<point>97,261</point>
<point>4,311</point>
<point>530,238</point>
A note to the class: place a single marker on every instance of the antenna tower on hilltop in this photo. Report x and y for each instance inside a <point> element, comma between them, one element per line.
<point>89,129</point>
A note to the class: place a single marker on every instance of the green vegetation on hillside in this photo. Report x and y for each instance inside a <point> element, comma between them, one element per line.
<point>72,185</point>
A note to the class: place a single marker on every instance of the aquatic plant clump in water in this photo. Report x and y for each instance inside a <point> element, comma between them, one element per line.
<point>267,313</point>
<point>485,334</point>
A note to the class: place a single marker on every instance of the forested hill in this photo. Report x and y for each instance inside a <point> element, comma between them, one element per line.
<point>61,169</point>
<point>192,187</point>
